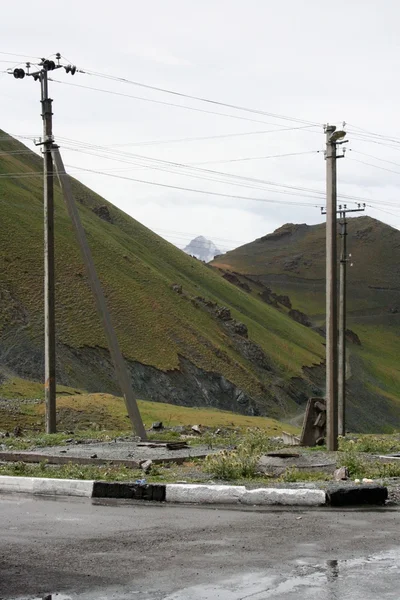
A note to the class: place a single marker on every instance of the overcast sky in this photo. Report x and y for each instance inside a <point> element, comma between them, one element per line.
<point>313,61</point>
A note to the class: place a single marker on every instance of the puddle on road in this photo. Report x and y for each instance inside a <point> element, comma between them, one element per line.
<point>376,576</point>
<point>357,579</point>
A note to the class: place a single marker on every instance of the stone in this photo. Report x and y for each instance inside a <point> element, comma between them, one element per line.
<point>47,597</point>
<point>93,456</point>
<point>146,466</point>
<point>196,429</point>
<point>241,329</point>
<point>352,337</point>
<point>341,474</point>
<point>17,431</point>
<point>224,314</point>
<point>177,288</point>
<point>284,300</point>
<point>157,425</point>
<point>103,212</point>
<point>299,317</point>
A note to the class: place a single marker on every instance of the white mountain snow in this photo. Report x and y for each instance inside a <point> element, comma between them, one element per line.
<point>202,248</point>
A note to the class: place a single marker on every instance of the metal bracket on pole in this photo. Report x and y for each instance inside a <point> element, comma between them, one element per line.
<point>116,355</point>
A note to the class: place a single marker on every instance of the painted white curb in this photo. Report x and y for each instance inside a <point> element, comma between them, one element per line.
<point>204,494</point>
<point>288,497</point>
<point>46,487</point>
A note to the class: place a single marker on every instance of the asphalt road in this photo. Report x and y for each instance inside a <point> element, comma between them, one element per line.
<point>81,549</point>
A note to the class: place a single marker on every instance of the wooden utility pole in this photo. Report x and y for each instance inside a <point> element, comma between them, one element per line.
<point>116,355</point>
<point>49,270</point>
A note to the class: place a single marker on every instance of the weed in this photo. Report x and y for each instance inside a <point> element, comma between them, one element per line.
<point>295,475</point>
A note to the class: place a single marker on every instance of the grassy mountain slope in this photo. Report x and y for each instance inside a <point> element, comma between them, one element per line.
<point>291,261</point>
<point>160,330</point>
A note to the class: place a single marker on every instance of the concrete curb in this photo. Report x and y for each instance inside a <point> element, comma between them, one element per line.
<point>42,486</point>
<point>198,493</point>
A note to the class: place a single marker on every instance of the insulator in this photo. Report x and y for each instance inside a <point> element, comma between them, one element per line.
<point>19,73</point>
<point>49,65</point>
<point>73,70</point>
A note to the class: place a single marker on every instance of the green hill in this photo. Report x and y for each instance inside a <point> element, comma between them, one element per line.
<point>291,262</point>
<point>180,346</point>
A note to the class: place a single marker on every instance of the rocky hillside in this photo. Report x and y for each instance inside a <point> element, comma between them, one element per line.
<point>189,336</point>
<point>287,268</point>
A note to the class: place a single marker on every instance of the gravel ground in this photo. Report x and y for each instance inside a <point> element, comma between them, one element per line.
<point>122,450</point>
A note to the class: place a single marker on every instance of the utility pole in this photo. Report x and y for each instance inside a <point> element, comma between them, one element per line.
<point>41,75</point>
<point>49,270</point>
<point>342,326</point>
<point>332,137</point>
<point>344,258</point>
<point>51,152</point>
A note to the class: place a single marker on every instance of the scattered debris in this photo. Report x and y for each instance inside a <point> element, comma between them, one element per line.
<point>289,439</point>
<point>93,456</point>
<point>341,474</point>
<point>141,481</point>
<point>146,465</point>
<point>157,425</point>
<point>217,431</point>
<point>365,480</point>
<point>196,429</point>
<point>17,431</point>
<point>314,425</point>
<point>173,445</point>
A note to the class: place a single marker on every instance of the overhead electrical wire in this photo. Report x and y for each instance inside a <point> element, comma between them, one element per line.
<point>151,100</point>
<point>249,158</point>
<point>199,98</point>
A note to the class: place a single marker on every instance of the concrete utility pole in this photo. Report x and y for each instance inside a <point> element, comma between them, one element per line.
<point>332,137</point>
<point>344,259</point>
<point>49,270</point>
<point>342,326</point>
<point>51,151</point>
<point>46,65</point>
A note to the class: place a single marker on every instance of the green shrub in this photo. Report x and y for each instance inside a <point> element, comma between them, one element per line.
<point>232,465</point>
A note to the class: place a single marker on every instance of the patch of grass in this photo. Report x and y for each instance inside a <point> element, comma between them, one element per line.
<point>240,463</point>
<point>81,412</point>
<point>374,444</point>
<point>71,471</point>
<point>296,475</point>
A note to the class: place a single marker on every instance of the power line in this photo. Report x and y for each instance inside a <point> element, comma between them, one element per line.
<point>200,99</point>
<point>232,160</point>
<point>363,162</point>
<point>19,55</point>
<point>181,188</point>
<point>197,138</point>
<point>192,108</point>
<point>376,157</point>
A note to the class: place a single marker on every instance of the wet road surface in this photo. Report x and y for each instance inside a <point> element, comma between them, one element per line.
<point>118,550</point>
